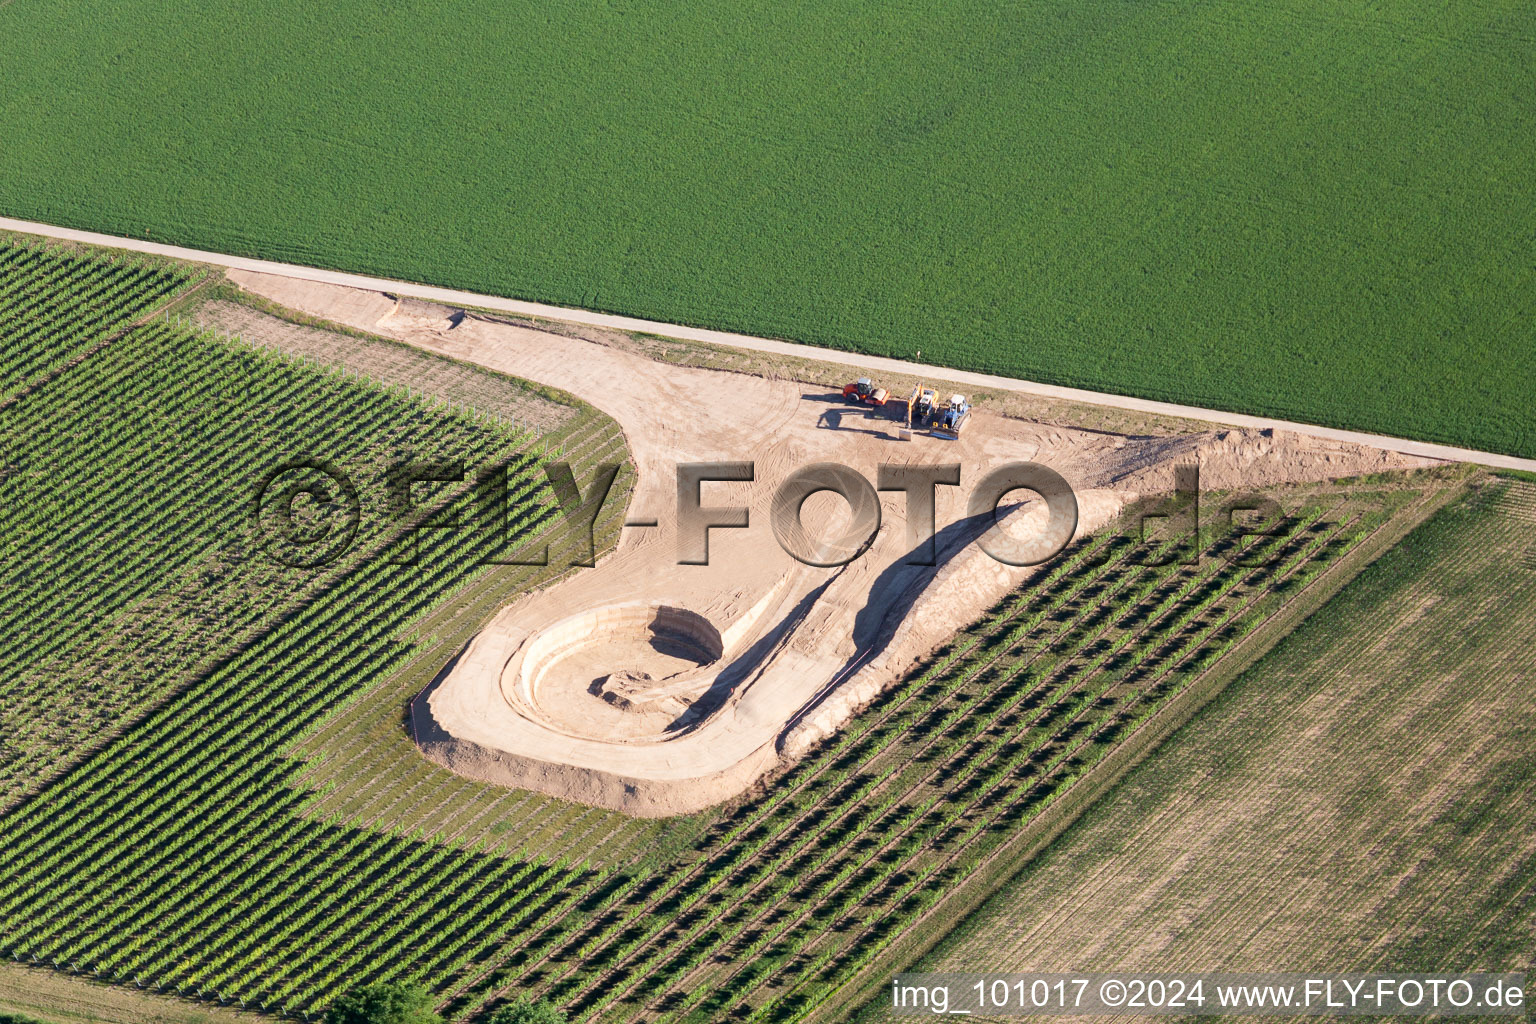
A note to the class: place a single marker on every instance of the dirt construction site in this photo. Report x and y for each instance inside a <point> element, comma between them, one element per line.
<point>657,688</point>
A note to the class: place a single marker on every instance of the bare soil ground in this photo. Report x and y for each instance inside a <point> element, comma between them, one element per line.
<point>389,362</point>
<point>1362,799</point>
<point>794,650</point>
<point>778,366</point>
<point>59,998</point>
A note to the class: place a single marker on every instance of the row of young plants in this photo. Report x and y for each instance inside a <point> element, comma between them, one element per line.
<point>825,861</point>
<point>637,904</point>
<point>56,304</point>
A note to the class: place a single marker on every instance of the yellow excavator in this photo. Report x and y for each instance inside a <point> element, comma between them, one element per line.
<point>921,405</point>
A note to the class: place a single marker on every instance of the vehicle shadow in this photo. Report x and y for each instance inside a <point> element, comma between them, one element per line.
<point>849,416</point>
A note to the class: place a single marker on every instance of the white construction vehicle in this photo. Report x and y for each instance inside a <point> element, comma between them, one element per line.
<point>951,419</point>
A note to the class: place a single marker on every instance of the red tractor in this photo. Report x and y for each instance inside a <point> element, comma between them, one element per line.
<point>864,392</point>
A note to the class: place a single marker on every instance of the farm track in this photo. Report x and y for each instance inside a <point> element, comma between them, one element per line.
<point>458,298</point>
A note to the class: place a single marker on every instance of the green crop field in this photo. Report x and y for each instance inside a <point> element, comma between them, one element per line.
<point>1316,210</point>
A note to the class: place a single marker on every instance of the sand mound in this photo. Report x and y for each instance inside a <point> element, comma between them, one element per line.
<point>627,689</point>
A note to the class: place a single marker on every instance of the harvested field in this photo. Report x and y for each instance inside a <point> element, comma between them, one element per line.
<point>1361,799</point>
<point>797,649</point>
<point>40,993</point>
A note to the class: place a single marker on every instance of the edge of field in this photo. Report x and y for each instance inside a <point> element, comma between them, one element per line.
<point>1220,416</point>
<point>222,288</point>
<point>809,369</point>
<point>858,1000</point>
<point>60,998</point>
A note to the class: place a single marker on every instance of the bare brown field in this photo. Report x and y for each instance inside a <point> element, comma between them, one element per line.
<point>1360,799</point>
<point>778,366</point>
<point>271,326</point>
<point>58,998</point>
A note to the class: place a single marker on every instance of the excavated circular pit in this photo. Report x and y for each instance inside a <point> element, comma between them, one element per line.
<point>621,672</point>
